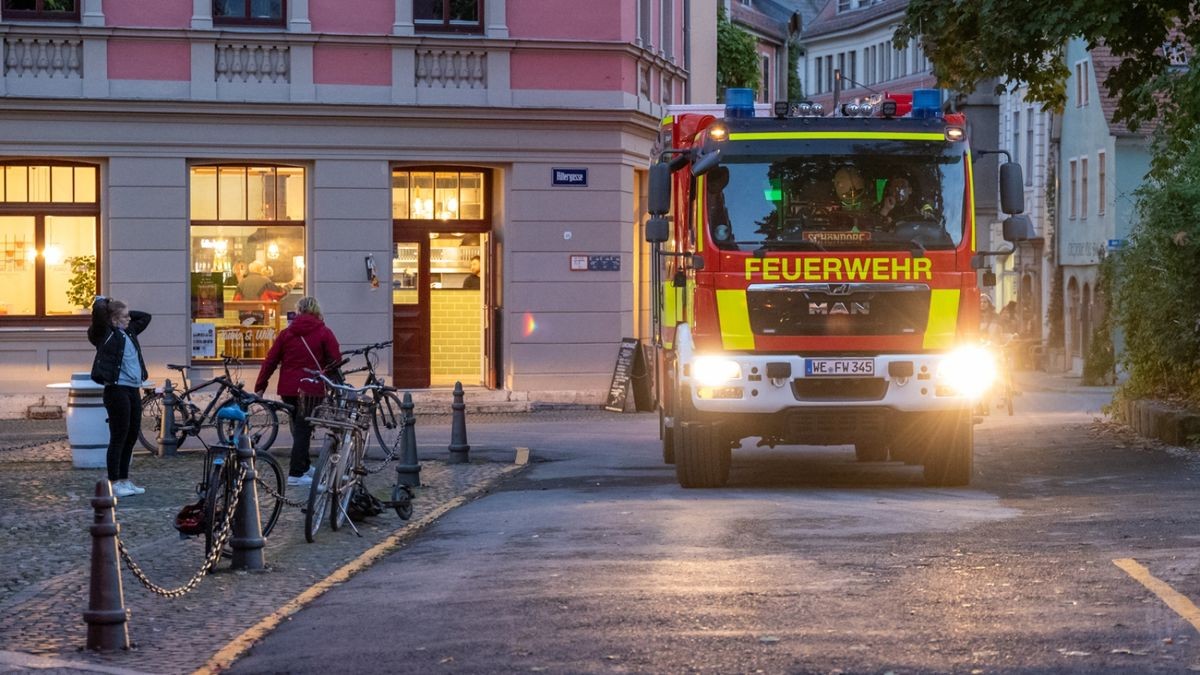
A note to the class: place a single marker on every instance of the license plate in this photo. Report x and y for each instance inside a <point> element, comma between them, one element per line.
<point>839,367</point>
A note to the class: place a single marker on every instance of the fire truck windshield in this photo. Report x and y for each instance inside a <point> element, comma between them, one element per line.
<point>861,199</point>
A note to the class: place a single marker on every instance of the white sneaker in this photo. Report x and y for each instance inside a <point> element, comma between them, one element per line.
<point>299,481</point>
<point>137,489</point>
<point>122,488</point>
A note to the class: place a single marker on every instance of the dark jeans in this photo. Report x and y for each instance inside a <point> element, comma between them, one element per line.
<point>124,408</point>
<point>301,432</point>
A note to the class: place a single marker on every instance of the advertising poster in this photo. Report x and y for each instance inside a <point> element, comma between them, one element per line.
<point>208,299</point>
<point>204,341</point>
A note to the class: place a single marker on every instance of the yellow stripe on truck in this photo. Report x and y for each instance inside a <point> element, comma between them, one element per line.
<point>733,314</point>
<point>943,318</point>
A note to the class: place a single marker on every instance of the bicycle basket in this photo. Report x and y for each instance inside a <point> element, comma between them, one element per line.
<point>363,504</point>
<point>190,519</point>
<point>347,413</point>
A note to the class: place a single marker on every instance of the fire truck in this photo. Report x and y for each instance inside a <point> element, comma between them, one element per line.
<point>817,283</point>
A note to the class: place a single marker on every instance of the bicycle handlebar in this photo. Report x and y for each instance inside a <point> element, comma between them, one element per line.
<point>369,348</point>
<point>239,392</point>
<point>321,377</point>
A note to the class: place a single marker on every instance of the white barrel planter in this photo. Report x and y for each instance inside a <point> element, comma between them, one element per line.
<point>87,423</point>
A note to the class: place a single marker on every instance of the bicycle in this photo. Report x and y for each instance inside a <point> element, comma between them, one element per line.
<point>387,417</point>
<point>191,419</point>
<point>219,476</point>
<point>341,468</point>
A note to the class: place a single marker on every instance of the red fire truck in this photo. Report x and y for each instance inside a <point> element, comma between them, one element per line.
<point>817,279</point>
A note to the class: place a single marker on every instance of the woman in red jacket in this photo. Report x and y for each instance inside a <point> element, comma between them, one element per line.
<point>306,344</point>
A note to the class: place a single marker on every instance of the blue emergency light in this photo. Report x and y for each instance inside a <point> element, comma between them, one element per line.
<point>926,103</point>
<point>739,103</point>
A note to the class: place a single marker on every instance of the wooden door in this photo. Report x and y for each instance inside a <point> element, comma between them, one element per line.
<point>410,311</point>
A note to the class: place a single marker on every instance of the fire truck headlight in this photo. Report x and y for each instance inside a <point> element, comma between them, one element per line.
<point>715,371</point>
<point>967,371</point>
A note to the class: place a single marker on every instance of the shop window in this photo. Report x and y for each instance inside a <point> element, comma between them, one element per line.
<point>49,215</point>
<point>438,195</point>
<point>42,10</point>
<point>246,255</point>
<point>250,12</point>
<point>464,16</point>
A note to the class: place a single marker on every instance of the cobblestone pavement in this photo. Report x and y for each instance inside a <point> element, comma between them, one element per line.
<point>44,559</point>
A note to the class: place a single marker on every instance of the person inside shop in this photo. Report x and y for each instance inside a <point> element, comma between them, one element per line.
<point>119,366</point>
<point>472,280</point>
<point>306,344</point>
<point>257,284</point>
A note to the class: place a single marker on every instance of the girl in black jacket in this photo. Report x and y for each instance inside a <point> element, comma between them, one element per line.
<point>120,368</point>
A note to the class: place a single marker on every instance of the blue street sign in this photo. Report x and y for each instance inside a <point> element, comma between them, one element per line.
<point>569,177</point>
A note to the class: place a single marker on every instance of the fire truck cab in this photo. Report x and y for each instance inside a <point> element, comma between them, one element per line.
<point>816,282</point>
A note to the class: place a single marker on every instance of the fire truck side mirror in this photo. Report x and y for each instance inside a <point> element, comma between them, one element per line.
<point>657,230</point>
<point>706,162</point>
<point>1012,188</point>
<point>1018,228</point>
<point>659,200</point>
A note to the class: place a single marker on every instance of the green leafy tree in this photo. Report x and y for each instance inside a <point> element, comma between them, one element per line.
<point>737,56</point>
<point>1021,42</point>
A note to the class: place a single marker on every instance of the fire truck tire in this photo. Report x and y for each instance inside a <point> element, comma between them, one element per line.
<point>950,462</point>
<point>702,457</point>
<point>871,452</point>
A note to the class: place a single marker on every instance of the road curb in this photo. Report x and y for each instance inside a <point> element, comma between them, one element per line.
<point>1161,421</point>
<point>233,650</point>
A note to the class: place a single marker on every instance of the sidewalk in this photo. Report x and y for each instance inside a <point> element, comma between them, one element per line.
<point>45,512</point>
<point>1037,380</point>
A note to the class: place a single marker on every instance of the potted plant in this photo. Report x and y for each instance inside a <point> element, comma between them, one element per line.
<point>81,287</point>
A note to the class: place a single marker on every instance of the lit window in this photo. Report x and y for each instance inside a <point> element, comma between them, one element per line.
<point>246,256</point>
<point>438,195</point>
<point>49,215</point>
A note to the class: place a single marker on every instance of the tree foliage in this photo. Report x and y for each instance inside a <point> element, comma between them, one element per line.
<point>1021,41</point>
<point>795,89</point>
<point>1158,291</point>
<point>737,56</point>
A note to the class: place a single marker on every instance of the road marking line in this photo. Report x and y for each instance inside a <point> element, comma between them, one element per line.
<point>238,646</point>
<point>522,457</point>
<point>1174,599</point>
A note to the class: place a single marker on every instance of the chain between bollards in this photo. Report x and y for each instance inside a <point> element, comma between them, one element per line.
<point>459,449</point>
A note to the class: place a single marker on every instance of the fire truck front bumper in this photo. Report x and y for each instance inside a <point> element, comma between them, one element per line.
<point>753,383</point>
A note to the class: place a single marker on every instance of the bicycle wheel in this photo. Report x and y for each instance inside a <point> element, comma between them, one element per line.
<point>262,425</point>
<point>388,422</point>
<point>402,497</point>
<point>345,478</point>
<point>322,484</point>
<point>215,501</point>
<point>152,412</point>
<point>270,490</point>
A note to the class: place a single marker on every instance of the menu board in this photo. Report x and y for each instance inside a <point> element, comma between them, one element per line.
<point>632,370</point>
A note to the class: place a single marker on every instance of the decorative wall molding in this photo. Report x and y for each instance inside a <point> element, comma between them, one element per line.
<point>253,63</point>
<point>43,57</point>
<point>451,68</point>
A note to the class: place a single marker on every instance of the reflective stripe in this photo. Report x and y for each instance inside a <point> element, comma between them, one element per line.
<point>734,316</point>
<point>670,307</point>
<point>828,135</point>
<point>971,211</point>
<point>689,302</point>
<point>943,318</point>
<point>696,215</point>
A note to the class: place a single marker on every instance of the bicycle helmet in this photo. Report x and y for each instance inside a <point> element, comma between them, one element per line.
<point>190,519</point>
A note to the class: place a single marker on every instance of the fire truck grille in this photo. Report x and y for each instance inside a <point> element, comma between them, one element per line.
<point>839,425</point>
<point>839,389</point>
<point>838,309</point>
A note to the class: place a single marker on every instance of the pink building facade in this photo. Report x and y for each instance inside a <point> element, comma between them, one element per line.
<point>464,178</point>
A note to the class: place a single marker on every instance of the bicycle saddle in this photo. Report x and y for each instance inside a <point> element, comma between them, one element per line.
<point>176,366</point>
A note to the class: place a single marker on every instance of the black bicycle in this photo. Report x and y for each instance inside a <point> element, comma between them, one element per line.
<point>387,418</point>
<point>190,419</point>
<point>218,479</point>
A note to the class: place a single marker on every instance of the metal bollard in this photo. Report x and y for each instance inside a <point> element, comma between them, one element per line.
<point>408,471</point>
<point>247,540</point>
<point>458,428</point>
<point>106,616</point>
<point>167,443</point>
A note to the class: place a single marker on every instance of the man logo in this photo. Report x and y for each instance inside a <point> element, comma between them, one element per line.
<point>834,308</point>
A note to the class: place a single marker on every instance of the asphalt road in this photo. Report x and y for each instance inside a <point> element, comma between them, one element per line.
<point>596,561</point>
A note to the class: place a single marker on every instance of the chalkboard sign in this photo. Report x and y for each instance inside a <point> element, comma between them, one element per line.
<point>632,370</point>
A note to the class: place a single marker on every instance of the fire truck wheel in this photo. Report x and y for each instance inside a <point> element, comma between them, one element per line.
<point>872,451</point>
<point>949,462</point>
<point>702,457</point>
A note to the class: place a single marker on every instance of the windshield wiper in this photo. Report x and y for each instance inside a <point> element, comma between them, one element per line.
<point>765,245</point>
